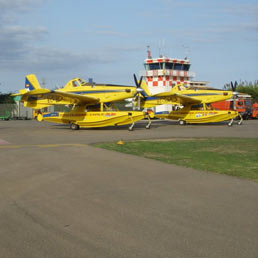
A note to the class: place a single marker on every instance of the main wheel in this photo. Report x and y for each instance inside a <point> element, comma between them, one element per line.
<point>39,117</point>
<point>75,126</point>
<point>181,122</point>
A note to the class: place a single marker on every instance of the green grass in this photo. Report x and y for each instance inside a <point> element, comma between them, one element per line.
<point>231,156</point>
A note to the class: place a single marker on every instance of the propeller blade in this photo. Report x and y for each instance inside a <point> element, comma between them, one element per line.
<point>135,80</point>
<point>235,86</point>
<point>139,91</point>
<point>140,83</point>
<point>232,86</point>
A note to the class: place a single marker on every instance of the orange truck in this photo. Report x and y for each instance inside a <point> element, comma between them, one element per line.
<point>255,111</point>
<point>242,105</point>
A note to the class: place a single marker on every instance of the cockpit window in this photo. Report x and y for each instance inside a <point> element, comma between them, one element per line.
<point>197,107</point>
<point>81,81</point>
<point>76,83</point>
<point>209,106</point>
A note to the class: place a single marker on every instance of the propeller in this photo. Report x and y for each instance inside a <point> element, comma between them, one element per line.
<point>139,90</point>
<point>233,87</point>
<point>138,84</point>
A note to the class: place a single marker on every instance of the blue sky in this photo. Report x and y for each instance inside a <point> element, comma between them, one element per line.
<point>106,40</point>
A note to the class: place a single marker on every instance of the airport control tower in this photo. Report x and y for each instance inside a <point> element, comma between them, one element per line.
<point>162,73</point>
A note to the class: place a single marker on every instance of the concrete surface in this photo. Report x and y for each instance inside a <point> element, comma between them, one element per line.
<point>60,197</point>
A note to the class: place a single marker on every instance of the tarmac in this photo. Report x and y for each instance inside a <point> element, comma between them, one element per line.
<point>61,197</point>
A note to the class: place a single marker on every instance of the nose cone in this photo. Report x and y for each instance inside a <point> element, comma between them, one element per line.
<point>228,94</point>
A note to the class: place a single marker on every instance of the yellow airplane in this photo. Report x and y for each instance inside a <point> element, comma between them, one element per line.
<point>192,103</point>
<point>74,92</point>
<point>90,103</point>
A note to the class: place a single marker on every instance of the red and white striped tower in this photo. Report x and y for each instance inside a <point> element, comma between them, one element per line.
<point>162,73</point>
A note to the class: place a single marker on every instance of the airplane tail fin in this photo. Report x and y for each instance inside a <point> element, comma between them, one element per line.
<point>31,82</point>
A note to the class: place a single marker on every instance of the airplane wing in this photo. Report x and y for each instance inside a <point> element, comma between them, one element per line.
<point>175,97</point>
<point>68,98</point>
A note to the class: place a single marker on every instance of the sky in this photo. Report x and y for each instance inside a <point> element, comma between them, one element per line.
<point>107,40</point>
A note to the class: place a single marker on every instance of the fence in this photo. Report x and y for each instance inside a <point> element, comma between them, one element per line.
<point>18,111</point>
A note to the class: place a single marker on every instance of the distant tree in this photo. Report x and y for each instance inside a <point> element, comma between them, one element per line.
<point>6,98</point>
<point>250,88</point>
<point>7,104</point>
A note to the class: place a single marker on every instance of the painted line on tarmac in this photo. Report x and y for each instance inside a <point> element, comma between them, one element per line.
<point>3,142</point>
<point>43,145</point>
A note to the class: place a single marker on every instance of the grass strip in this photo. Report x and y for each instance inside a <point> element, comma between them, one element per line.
<point>231,156</point>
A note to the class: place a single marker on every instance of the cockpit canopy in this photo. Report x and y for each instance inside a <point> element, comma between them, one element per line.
<point>76,82</point>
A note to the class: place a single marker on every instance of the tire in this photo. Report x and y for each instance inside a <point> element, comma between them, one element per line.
<point>75,126</point>
<point>181,122</point>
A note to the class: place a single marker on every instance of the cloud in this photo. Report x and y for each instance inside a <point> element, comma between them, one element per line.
<point>11,9</point>
<point>55,59</point>
<point>241,9</point>
<point>219,32</point>
<point>18,6</point>
<point>15,42</point>
<point>22,48</point>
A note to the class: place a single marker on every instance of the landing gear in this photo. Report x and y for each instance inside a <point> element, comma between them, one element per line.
<point>231,122</point>
<point>241,120</point>
<point>149,123</point>
<point>181,122</point>
<point>74,126</point>
<point>131,127</point>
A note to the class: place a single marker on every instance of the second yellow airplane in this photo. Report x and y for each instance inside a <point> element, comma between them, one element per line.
<point>192,103</point>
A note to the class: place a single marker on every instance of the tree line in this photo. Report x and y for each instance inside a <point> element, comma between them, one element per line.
<point>250,88</point>
<point>6,98</point>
